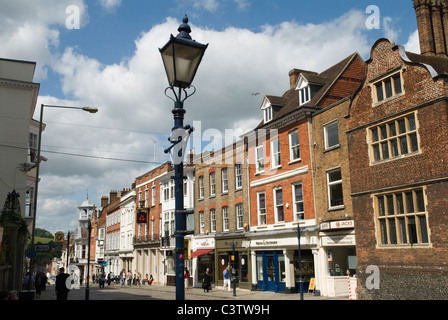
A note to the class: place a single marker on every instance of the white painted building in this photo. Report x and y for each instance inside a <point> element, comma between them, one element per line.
<point>18,97</point>
<point>168,242</point>
<point>127,222</point>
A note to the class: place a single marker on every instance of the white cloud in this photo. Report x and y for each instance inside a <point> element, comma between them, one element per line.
<point>390,31</point>
<point>243,4</point>
<point>110,5</point>
<point>30,29</point>
<point>413,44</point>
<point>133,111</point>
<point>209,5</point>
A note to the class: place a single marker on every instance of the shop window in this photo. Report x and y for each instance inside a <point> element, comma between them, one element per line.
<point>243,266</point>
<point>307,264</point>
<point>341,259</point>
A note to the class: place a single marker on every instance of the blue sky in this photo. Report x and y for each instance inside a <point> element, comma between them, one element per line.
<point>109,33</point>
<point>112,62</point>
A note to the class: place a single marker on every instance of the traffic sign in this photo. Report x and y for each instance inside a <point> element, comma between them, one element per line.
<point>42,248</point>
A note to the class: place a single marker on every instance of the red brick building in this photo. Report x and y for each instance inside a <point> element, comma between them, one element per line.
<point>398,142</point>
<point>281,175</point>
<point>150,194</point>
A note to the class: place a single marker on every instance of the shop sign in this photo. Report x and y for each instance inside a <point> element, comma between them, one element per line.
<point>204,243</point>
<point>341,224</point>
<point>339,240</point>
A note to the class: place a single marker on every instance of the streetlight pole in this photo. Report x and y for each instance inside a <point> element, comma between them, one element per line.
<point>89,230</point>
<point>181,58</point>
<point>36,183</point>
<point>233,269</point>
<point>300,265</point>
<point>68,249</point>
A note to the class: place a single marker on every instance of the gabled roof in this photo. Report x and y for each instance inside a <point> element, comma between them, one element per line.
<point>331,75</point>
<point>290,99</point>
<point>276,101</point>
<point>313,78</point>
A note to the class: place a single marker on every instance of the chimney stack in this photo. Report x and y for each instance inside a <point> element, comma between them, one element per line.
<point>104,201</point>
<point>113,195</point>
<point>432,23</point>
<point>293,77</point>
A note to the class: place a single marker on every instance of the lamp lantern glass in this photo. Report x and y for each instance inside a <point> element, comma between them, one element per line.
<point>181,57</point>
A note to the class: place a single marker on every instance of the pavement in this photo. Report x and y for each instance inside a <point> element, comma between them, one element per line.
<point>160,292</point>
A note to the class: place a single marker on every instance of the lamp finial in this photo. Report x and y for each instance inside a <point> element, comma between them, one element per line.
<point>184,29</point>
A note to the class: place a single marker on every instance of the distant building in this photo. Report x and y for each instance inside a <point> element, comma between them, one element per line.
<point>81,239</point>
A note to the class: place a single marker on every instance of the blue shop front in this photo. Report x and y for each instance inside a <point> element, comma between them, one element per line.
<point>276,261</point>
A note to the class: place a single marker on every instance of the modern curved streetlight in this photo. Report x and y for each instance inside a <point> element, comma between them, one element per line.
<point>181,58</point>
<point>36,183</point>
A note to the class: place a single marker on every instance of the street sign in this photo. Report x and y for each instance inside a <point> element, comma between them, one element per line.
<point>32,254</point>
<point>42,248</point>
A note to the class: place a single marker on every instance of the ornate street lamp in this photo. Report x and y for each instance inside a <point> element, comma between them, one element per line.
<point>181,57</point>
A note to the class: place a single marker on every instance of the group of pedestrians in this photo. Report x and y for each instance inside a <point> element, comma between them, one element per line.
<point>206,282</point>
<point>129,279</point>
<point>38,282</point>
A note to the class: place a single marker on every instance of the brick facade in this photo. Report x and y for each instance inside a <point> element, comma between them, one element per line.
<point>230,162</point>
<point>147,239</point>
<point>407,264</point>
<point>327,159</point>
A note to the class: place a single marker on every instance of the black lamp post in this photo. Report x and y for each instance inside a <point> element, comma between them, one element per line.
<point>233,269</point>
<point>68,250</point>
<point>299,234</point>
<point>181,58</point>
<point>89,230</point>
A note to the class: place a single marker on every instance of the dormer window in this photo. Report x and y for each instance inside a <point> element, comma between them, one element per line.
<point>308,84</point>
<point>305,95</point>
<point>268,113</point>
<point>304,89</point>
<point>271,106</point>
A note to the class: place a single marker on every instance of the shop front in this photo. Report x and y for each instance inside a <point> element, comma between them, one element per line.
<point>338,251</point>
<point>233,252</point>
<point>276,261</point>
<point>202,258</point>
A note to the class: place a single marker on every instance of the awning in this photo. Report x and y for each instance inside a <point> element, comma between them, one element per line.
<point>200,252</point>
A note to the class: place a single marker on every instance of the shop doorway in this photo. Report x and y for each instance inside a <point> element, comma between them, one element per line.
<point>271,271</point>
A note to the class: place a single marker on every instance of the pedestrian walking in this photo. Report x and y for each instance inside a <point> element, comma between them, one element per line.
<point>123,277</point>
<point>102,280</point>
<point>206,284</point>
<point>61,286</point>
<point>226,277</point>
<point>38,284</point>
<point>187,276</point>
<point>137,279</point>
